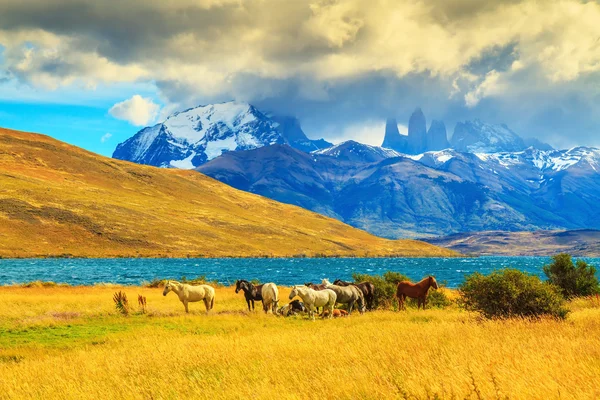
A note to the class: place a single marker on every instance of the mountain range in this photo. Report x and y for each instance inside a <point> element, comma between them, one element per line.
<point>486,177</point>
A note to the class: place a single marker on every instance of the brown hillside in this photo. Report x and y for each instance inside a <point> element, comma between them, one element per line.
<point>57,199</point>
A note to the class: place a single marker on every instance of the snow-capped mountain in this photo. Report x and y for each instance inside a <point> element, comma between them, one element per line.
<point>440,192</point>
<point>354,151</point>
<point>479,137</point>
<point>192,137</point>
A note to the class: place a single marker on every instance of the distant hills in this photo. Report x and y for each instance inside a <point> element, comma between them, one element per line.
<point>579,243</point>
<point>59,200</point>
<point>485,177</point>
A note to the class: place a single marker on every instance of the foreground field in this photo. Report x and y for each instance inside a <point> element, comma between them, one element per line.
<point>69,343</point>
<point>60,200</point>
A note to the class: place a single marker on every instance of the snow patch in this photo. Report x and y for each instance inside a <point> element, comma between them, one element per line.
<point>186,163</point>
<point>215,148</point>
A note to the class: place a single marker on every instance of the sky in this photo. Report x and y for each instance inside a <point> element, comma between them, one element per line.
<point>93,73</point>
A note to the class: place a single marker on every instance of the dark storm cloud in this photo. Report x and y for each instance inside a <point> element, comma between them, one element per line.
<point>530,64</point>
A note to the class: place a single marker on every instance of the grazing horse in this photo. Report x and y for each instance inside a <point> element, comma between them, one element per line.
<point>415,290</point>
<point>251,293</point>
<point>313,299</point>
<point>367,288</point>
<point>292,308</point>
<point>270,297</point>
<point>188,294</point>
<point>267,293</point>
<point>347,295</point>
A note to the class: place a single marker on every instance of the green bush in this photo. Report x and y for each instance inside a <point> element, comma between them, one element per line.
<point>385,287</point>
<point>385,290</point>
<point>573,280</point>
<point>511,293</point>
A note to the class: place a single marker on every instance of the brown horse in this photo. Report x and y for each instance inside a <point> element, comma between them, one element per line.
<point>313,286</point>
<point>415,291</point>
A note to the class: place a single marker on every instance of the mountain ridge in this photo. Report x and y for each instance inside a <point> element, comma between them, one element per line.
<point>60,200</point>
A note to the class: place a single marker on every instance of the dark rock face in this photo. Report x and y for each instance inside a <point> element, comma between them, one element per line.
<point>290,129</point>
<point>417,133</point>
<point>478,137</point>
<point>393,139</point>
<point>437,138</point>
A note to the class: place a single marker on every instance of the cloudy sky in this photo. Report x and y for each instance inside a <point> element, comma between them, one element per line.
<point>93,72</point>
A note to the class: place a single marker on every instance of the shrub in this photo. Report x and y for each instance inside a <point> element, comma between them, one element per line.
<point>437,299</point>
<point>573,280</point>
<point>121,302</point>
<point>511,293</point>
<point>155,283</point>
<point>142,303</point>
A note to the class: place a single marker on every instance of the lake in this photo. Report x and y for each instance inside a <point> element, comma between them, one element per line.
<point>282,271</point>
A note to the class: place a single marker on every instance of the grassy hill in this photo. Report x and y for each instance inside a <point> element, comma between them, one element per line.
<point>57,199</point>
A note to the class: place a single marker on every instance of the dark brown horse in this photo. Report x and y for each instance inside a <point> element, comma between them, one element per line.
<point>251,293</point>
<point>367,288</point>
<point>415,291</point>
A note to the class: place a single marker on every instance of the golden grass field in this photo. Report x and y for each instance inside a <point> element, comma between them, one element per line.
<point>70,343</point>
<point>57,200</point>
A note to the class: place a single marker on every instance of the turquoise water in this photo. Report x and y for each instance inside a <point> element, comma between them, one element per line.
<point>286,271</point>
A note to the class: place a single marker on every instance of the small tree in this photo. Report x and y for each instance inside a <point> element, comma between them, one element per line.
<point>511,293</point>
<point>573,280</point>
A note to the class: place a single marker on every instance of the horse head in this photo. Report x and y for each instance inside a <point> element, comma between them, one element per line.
<point>325,282</point>
<point>238,284</point>
<point>294,292</point>
<point>309,284</point>
<point>433,283</point>
<point>338,282</point>
<point>168,287</point>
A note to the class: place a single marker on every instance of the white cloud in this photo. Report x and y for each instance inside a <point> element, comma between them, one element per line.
<point>490,86</point>
<point>368,132</point>
<point>137,110</point>
<point>105,137</point>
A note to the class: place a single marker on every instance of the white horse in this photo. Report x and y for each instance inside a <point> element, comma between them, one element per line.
<point>270,297</point>
<point>188,294</point>
<point>313,298</point>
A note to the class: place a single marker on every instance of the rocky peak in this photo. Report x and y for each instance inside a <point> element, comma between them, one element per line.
<point>417,132</point>
<point>437,138</point>
<point>393,139</point>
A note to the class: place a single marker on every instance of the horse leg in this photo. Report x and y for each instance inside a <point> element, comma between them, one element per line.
<point>330,311</point>
<point>248,302</point>
<point>424,301</point>
<point>206,304</point>
<point>350,307</point>
<point>185,304</point>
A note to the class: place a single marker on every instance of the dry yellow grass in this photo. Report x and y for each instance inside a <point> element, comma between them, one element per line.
<point>57,199</point>
<point>69,343</point>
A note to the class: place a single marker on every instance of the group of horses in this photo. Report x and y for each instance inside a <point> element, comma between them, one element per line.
<point>324,295</point>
